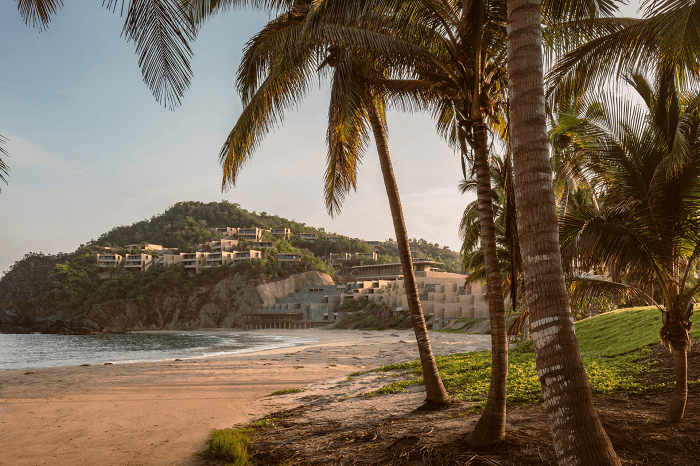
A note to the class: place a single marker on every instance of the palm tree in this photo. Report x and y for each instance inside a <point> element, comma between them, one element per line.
<point>287,61</point>
<point>577,432</point>
<point>456,72</point>
<point>504,222</point>
<point>647,167</point>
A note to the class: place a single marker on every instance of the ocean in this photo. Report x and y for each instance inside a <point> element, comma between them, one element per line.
<point>36,351</point>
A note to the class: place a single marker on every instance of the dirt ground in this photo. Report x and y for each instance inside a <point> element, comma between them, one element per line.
<point>314,428</point>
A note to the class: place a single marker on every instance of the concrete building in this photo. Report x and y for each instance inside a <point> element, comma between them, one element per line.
<point>288,258</point>
<point>284,233</point>
<point>167,260</point>
<point>227,232</point>
<point>391,271</point>
<point>262,244</point>
<point>144,247</point>
<point>216,259</point>
<point>308,237</point>
<point>138,262</point>
<point>194,262</point>
<point>250,234</point>
<point>308,306</point>
<point>339,257</point>
<point>223,245</point>
<point>442,294</point>
<point>108,259</point>
<point>372,256</point>
<point>240,256</point>
<point>375,244</point>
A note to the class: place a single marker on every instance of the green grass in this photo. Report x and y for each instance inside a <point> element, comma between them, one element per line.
<point>286,391</point>
<point>613,346</point>
<point>230,446</point>
<point>619,332</point>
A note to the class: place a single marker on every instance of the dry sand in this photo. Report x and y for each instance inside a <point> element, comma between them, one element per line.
<point>160,413</point>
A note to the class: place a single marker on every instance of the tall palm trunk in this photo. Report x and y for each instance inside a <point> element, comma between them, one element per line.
<point>435,394</point>
<point>491,426</point>
<point>579,438</point>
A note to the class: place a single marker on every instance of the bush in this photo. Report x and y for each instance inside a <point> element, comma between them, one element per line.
<point>230,445</point>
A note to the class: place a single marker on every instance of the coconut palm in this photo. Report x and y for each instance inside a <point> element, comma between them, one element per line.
<point>277,69</point>
<point>647,167</point>
<point>455,71</point>
<point>669,32</point>
<point>578,434</point>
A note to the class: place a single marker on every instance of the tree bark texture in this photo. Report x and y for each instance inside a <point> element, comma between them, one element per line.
<point>435,394</point>
<point>491,426</point>
<point>676,407</point>
<point>579,438</point>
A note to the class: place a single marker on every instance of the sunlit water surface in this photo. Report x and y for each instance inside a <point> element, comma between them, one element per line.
<point>36,351</point>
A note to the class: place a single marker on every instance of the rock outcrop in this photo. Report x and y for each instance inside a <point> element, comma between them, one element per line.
<point>221,305</point>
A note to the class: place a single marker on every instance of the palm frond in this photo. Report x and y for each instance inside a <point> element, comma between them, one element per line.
<point>4,169</point>
<point>162,31</point>
<point>38,13</point>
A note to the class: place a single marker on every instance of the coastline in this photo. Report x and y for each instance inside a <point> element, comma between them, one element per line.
<point>160,413</point>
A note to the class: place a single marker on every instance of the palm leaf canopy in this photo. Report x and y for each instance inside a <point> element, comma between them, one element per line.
<point>645,164</point>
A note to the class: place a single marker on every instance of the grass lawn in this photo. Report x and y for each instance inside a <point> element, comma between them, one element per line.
<point>619,332</point>
<point>612,347</point>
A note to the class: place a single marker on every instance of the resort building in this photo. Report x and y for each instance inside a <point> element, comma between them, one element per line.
<point>227,232</point>
<point>340,256</point>
<point>193,262</point>
<point>262,244</point>
<point>372,256</point>
<point>441,294</point>
<point>288,258</point>
<point>138,262</point>
<point>223,245</point>
<point>391,271</point>
<point>332,239</point>
<point>216,259</point>
<point>250,234</point>
<point>308,306</point>
<point>108,260</point>
<point>375,244</point>
<point>241,256</point>
<point>167,260</point>
<point>308,237</point>
<point>285,233</point>
<point>144,247</point>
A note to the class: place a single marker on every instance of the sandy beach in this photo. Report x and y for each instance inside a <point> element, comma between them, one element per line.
<point>160,413</point>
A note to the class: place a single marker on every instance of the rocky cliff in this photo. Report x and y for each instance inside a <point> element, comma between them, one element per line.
<point>221,305</point>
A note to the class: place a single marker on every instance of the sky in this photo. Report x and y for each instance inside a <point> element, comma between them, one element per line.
<point>91,149</point>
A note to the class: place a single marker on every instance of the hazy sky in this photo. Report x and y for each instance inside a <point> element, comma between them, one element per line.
<point>91,149</point>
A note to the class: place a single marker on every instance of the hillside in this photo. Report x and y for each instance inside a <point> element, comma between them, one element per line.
<point>67,284</point>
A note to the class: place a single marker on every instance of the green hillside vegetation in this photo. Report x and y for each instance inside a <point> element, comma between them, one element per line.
<point>613,347</point>
<point>68,284</point>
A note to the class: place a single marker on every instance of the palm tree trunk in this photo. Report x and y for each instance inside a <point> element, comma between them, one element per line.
<point>579,438</point>
<point>436,396</point>
<point>676,407</point>
<point>491,426</point>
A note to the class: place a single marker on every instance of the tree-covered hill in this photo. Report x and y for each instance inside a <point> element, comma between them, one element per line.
<point>68,284</point>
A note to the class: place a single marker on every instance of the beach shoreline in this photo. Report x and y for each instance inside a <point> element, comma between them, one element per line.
<point>160,413</point>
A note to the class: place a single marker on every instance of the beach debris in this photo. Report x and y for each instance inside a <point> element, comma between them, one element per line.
<point>85,365</point>
<point>28,373</point>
